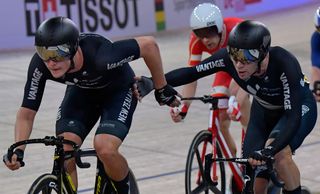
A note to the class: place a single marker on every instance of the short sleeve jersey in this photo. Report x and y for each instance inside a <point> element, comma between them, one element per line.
<point>105,65</point>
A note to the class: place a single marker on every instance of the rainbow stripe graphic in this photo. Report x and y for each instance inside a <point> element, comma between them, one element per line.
<point>160,15</point>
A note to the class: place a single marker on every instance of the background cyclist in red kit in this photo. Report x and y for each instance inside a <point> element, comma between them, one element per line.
<point>209,34</point>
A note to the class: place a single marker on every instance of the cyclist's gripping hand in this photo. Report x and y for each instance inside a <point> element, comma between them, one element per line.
<point>259,157</point>
<point>16,160</point>
<point>143,86</point>
<point>167,95</point>
<point>179,113</point>
<point>233,109</point>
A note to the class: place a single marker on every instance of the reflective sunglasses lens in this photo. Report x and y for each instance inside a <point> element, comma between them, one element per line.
<point>243,55</point>
<point>52,53</point>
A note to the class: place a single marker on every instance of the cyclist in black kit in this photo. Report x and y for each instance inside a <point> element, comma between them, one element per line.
<point>99,85</point>
<point>283,110</point>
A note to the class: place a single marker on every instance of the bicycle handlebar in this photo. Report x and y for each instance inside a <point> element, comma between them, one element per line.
<point>56,141</point>
<point>269,167</point>
<point>48,140</point>
<point>84,153</point>
<point>206,98</point>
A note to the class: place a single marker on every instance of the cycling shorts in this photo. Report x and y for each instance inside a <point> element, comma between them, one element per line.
<point>265,124</point>
<point>82,108</point>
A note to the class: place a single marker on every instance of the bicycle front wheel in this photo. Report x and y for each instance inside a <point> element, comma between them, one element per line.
<point>134,189</point>
<point>109,187</point>
<point>202,145</point>
<point>45,184</point>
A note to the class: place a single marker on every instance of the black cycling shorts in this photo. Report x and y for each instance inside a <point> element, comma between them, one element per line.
<point>82,108</point>
<point>265,124</point>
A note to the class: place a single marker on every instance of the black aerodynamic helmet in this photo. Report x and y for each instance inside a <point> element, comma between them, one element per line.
<point>57,38</point>
<point>249,41</point>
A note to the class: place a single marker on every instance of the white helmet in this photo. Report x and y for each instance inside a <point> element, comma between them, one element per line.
<point>317,18</point>
<point>206,15</point>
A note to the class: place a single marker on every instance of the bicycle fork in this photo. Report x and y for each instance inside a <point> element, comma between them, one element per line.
<point>103,184</point>
<point>64,183</point>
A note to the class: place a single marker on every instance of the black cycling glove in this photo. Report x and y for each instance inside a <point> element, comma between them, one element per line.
<point>20,155</point>
<point>144,86</point>
<point>263,154</point>
<point>165,95</point>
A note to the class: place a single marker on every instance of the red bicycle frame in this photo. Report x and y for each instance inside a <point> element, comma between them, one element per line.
<point>217,137</point>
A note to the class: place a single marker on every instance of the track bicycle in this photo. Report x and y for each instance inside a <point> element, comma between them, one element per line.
<point>248,178</point>
<point>210,141</point>
<point>59,181</point>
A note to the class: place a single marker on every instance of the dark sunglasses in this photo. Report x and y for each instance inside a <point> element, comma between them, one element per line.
<point>207,32</point>
<point>245,56</point>
<point>54,53</point>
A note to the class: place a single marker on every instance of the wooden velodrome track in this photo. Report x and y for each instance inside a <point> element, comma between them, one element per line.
<point>156,148</point>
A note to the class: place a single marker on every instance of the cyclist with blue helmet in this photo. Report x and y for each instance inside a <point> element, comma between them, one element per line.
<point>315,54</point>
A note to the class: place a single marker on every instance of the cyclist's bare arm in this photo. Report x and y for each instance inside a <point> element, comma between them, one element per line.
<point>233,88</point>
<point>240,94</point>
<point>24,123</point>
<point>242,97</point>
<point>188,90</point>
<point>23,127</point>
<point>150,52</point>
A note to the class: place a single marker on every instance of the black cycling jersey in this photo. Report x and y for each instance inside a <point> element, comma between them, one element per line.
<point>100,89</point>
<point>282,87</point>
<point>105,66</point>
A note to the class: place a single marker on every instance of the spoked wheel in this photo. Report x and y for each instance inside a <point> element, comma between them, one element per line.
<point>202,145</point>
<point>45,184</point>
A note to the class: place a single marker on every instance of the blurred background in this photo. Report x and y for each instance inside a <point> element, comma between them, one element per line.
<point>156,148</point>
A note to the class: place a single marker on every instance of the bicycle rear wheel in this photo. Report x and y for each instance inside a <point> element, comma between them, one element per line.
<point>45,184</point>
<point>193,174</point>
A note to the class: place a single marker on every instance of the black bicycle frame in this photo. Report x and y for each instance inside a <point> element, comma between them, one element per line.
<point>249,178</point>
<point>64,180</point>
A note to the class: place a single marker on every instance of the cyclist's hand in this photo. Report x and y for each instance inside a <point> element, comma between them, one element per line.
<point>135,91</point>
<point>233,109</point>
<point>16,161</point>
<point>167,95</point>
<point>178,113</point>
<point>144,85</point>
<point>260,157</point>
<point>316,90</point>
<point>316,95</point>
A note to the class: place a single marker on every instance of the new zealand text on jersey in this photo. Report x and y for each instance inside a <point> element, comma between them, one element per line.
<point>210,65</point>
